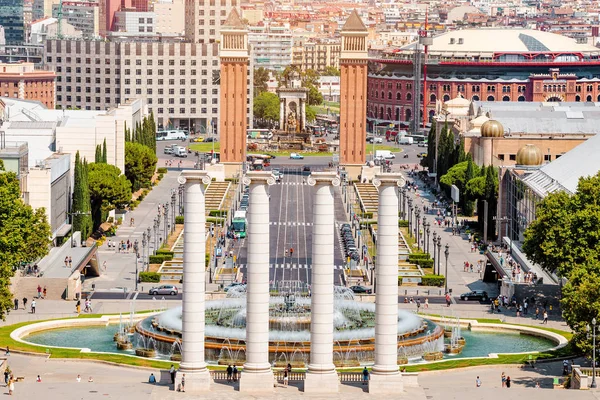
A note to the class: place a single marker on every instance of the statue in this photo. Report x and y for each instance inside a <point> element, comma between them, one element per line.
<point>291,121</point>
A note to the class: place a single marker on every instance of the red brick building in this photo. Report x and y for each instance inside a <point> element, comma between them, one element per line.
<point>487,65</point>
<point>23,81</point>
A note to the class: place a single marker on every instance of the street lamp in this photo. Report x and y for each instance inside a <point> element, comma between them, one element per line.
<point>137,256</point>
<point>410,210</point>
<point>144,243</point>
<point>418,232</point>
<point>593,335</point>
<point>428,231</point>
<point>181,189</point>
<point>156,227</point>
<point>446,253</point>
<point>439,256</point>
<point>148,248</point>
<point>173,203</point>
<point>434,258</point>
<point>166,222</point>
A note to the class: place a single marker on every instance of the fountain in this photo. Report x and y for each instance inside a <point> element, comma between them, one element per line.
<point>289,322</point>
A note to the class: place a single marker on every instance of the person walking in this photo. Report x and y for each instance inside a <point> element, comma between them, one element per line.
<point>285,377</point>
<point>508,381</point>
<point>229,373</point>
<point>33,307</point>
<point>6,376</point>
<point>78,307</point>
<point>16,304</point>
<point>183,383</point>
<point>11,387</point>
<point>24,303</point>
<point>39,291</point>
<point>172,372</point>
<point>365,374</point>
<point>545,318</point>
<point>291,252</point>
<point>45,292</point>
<point>235,373</point>
<point>477,382</point>
<point>537,313</point>
<point>427,303</point>
<point>503,377</point>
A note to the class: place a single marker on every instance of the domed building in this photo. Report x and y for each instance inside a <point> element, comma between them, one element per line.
<point>492,128</point>
<point>529,156</point>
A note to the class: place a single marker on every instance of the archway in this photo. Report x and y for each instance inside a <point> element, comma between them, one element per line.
<point>446,97</point>
<point>408,96</point>
<point>475,98</point>
<point>490,98</point>
<point>577,98</point>
<point>407,114</point>
<point>432,98</point>
<point>521,98</point>
<point>431,115</point>
<point>553,99</point>
<point>506,98</point>
<point>589,98</point>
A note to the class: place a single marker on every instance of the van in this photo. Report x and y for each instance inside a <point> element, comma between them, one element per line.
<point>180,151</point>
<point>384,154</point>
<point>171,135</point>
<point>405,140</point>
<point>170,148</point>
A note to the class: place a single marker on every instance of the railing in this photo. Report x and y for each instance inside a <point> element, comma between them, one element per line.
<point>350,377</point>
<point>219,375</point>
<point>292,376</point>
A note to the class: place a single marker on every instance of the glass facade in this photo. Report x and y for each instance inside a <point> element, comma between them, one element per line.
<point>11,18</point>
<point>521,202</point>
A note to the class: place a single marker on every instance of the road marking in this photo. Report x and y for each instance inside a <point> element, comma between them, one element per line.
<point>277,223</point>
<point>290,266</point>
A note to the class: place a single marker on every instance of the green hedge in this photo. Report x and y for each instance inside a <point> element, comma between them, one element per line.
<point>165,252</point>
<point>149,276</point>
<point>415,257</point>
<point>425,263</point>
<point>162,170</point>
<point>402,223</point>
<point>159,258</point>
<point>432,280</point>
<point>366,215</point>
<point>217,213</point>
<point>179,219</point>
<point>215,220</point>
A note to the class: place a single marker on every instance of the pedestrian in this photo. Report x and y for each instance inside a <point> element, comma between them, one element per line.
<point>418,305</point>
<point>448,300</point>
<point>70,261</point>
<point>11,387</point>
<point>545,318</point>
<point>229,373</point>
<point>6,376</point>
<point>291,252</point>
<point>183,380</point>
<point>172,372</point>
<point>7,353</point>
<point>235,373</point>
<point>537,313</point>
<point>478,382</point>
<point>16,304</point>
<point>33,307</point>
<point>426,303</point>
<point>78,307</point>
<point>365,374</point>
<point>66,262</point>
<point>45,291</point>
<point>503,376</point>
<point>24,303</point>
<point>152,379</point>
<point>104,266</point>
<point>78,378</point>
<point>39,379</point>
<point>537,384</point>
<point>285,377</point>
<point>508,381</point>
<point>39,291</point>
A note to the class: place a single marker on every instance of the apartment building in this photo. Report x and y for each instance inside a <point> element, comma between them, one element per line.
<point>83,15</point>
<point>316,56</point>
<point>135,23</point>
<point>180,81</point>
<point>23,81</point>
<point>271,47</point>
<point>204,18</point>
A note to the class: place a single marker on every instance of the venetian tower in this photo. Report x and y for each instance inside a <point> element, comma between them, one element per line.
<point>234,55</point>
<point>353,95</point>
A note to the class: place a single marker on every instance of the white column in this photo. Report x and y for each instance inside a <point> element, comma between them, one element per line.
<point>257,375</point>
<point>281,114</point>
<point>322,376</point>
<point>197,377</point>
<point>303,111</point>
<point>385,377</point>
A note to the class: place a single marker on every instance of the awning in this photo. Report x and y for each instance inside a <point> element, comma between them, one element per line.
<point>63,230</point>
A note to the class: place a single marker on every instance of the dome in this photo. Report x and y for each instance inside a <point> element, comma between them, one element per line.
<point>529,155</point>
<point>492,128</point>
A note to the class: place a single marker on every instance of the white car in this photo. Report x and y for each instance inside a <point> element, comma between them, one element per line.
<point>296,156</point>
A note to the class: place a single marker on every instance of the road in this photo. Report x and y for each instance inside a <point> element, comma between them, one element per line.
<point>291,228</point>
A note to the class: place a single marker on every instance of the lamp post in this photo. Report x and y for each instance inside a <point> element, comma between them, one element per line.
<point>402,204</point>
<point>434,258</point>
<point>446,253</point>
<point>156,227</point>
<point>593,335</point>
<point>148,248</point>
<point>410,210</point>
<point>166,222</point>
<point>173,203</point>
<point>439,256</point>
<point>137,257</point>
<point>428,231</point>
<point>181,188</point>
<point>143,250</point>
<point>418,232</point>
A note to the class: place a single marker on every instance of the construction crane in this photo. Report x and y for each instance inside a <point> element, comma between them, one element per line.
<point>60,16</point>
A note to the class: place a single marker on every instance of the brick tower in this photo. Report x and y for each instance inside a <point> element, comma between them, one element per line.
<point>353,95</point>
<point>233,102</point>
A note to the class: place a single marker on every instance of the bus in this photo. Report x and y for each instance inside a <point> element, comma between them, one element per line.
<point>419,138</point>
<point>240,223</point>
<point>259,134</point>
<point>171,135</point>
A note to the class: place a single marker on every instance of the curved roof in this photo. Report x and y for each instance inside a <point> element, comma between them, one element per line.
<point>502,40</point>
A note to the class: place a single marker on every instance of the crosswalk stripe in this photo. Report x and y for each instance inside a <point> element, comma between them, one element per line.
<point>290,266</point>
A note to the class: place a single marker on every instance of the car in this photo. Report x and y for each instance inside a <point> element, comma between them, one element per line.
<point>374,139</point>
<point>422,155</point>
<point>164,289</point>
<point>198,140</point>
<point>296,156</point>
<point>480,295</point>
<point>422,144</point>
<point>306,171</point>
<point>232,285</point>
<point>168,150</point>
<point>271,156</point>
<point>360,289</point>
<point>210,140</point>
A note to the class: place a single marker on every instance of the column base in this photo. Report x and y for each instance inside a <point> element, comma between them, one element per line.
<point>386,384</point>
<point>196,381</point>
<point>257,381</point>
<point>232,169</point>
<point>327,382</point>
<point>353,171</point>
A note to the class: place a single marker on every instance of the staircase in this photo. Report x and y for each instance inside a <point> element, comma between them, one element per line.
<point>27,287</point>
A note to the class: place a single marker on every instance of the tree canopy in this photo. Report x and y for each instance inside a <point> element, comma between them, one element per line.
<point>81,207</point>
<point>24,234</point>
<point>261,78</point>
<point>109,189</point>
<point>331,71</point>
<point>140,163</point>
<point>266,108</point>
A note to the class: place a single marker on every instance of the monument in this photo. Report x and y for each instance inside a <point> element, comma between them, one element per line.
<point>292,103</point>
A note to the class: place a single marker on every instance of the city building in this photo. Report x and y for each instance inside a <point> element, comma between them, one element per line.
<point>49,27</point>
<point>170,17</point>
<point>24,81</point>
<point>83,15</point>
<point>43,8</point>
<point>108,8</point>
<point>15,157</point>
<point>271,46</point>
<point>134,23</point>
<point>12,20</point>
<point>495,65</point>
<point>329,87</point>
<point>204,18</point>
<point>316,55</point>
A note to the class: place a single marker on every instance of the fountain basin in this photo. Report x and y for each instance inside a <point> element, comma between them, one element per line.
<point>148,353</point>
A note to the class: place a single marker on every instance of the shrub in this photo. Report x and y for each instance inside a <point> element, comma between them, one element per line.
<point>179,219</point>
<point>165,252</point>
<point>416,257</point>
<point>215,220</point>
<point>425,263</point>
<point>162,170</point>
<point>159,258</point>
<point>366,215</point>
<point>160,176</point>
<point>402,223</point>
<point>217,213</point>
<point>432,280</point>
<point>149,276</point>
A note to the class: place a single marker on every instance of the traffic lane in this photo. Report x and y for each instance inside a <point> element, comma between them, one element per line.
<point>118,295</point>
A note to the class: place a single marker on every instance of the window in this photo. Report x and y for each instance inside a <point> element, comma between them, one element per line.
<point>182,110</point>
<point>501,157</point>
<point>182,100</point>
<point>160,110</point>
<point>512,157</point>
<point>171,101</point>
<point>181,91</point>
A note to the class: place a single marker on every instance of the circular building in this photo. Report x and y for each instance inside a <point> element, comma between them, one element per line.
<point>530,156</point>
<point>492,128</point>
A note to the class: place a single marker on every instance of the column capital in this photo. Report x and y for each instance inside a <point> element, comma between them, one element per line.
<point>259,177</point>
<point>192,176</point>
<point>325,177</point>
<point>389,179</point>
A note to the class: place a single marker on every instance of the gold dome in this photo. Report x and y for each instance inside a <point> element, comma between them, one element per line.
<point>492,128</point>
<point>529,155</point>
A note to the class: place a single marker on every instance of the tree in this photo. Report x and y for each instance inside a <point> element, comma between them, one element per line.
<point>82,219</point>
<point>331,71</point>
<point>310,77</point>
<point>266,108</point>
<point>98,155</point>
<point>261,78</point>
<point>431,147</point>
<point>109,189</point>
<point>311,114</point>
<point>104,158</point>
<point>315,97</point>
<point>491,196</point>
<point>468,205</point>
<point>24,234</point>
<point>140,163</point>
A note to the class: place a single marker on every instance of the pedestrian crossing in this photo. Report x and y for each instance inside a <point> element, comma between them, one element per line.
<point>277,223</point>
<point>293,183</point>
<point>290,266</point>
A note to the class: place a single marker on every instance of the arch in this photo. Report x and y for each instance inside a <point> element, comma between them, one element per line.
<point>388,115</point>
<point>389,95</point>
<point>521,98</point>
<point>432,98</point>
<point>397,114</point>
<point>577,98</point>
<point>408,96</point>
<point>431,115</point>
<point>398,96</point>
<point>554,99</point>
<point>475,98</point>
<point>382,94</point>
<point>506,98</point>
<point>446,97</point>
<point>381,112</point>
<point>490,98</point>
<point>407,114</point>
<point>589,98</point>
<point>599,97</point>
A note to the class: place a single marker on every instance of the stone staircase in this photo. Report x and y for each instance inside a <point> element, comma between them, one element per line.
<point>25,286</point>
<point>215,195</point>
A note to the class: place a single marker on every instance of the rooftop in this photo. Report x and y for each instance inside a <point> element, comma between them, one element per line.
<point>354,23</point>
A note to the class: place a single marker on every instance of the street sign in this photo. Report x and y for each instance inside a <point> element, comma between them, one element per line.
<point>336,158</point>
<point>455,193</point>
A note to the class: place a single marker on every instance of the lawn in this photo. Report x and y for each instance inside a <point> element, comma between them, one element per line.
<point>205,147</point>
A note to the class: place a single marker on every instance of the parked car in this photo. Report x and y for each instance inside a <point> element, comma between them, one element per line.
<point>210,140</point>
<point>422,155</point>
<point>296,156</point>
<point>164,289</point>
<point>373,139</point>
<point>232,285</point>
<point>480,295</point>
<point>198,140</point>
<point>361,289</point>
<point>422,144</point>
